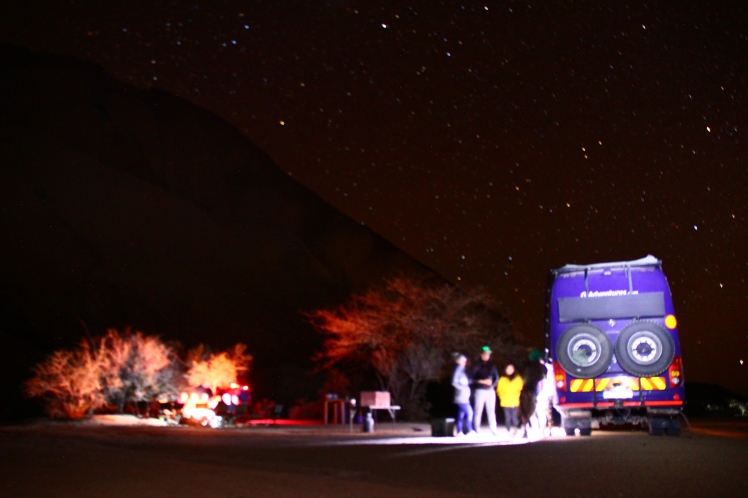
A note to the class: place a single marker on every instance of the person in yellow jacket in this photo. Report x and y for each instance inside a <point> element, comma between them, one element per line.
<point>509,388</point>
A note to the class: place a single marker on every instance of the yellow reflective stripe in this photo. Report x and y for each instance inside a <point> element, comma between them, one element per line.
<point>659,383</point>
<point>653,383</point>
<point>588,385</point>
<point>633,383</point>
<point>602,384</point>
<point>574,386</point>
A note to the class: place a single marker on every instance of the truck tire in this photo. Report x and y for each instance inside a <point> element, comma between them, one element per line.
<point>655,431</point>
<point>657,426</point>
<point>644,349</point>
<point>584,351</point>
<point>673,427</point>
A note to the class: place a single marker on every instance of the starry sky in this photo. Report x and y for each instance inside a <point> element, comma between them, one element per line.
<point>491,140</point>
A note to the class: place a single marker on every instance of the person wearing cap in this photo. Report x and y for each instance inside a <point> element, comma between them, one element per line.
<point>485,378</point>
<point>461,384</point>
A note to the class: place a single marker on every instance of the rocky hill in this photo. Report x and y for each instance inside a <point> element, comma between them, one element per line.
<point>121,206</point>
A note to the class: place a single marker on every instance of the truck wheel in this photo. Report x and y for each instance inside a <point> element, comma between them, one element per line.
<point>584,351</point>
<point>657,426</point>
<point>585,432</point>
<point>569,432</point>
<point>644,349</point>
<point>655,431</point>
<point>673,427</point>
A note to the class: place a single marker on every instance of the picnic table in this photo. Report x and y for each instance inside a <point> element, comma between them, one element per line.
<point>391,409</point>
<point>337,406</point>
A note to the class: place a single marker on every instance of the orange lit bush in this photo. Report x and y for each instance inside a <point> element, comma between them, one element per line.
<point>218,369</point>
<point>406,332</point>
<point>114,369</point>
<point>69,382</point>
<point>138,368</point>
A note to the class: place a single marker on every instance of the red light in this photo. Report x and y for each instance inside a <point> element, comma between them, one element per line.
<point>560,376</point>
<point>675,372</point>
<point>676,396</point>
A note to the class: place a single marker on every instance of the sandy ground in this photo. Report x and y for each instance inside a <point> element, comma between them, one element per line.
<point>101,459</point>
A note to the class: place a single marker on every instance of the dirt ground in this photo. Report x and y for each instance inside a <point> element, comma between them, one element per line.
<point>90,460</point>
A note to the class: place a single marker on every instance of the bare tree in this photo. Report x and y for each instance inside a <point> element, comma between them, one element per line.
<point>69,382</point>
<point>116,368</point>
<point>406,332</point>
<point>138,368</point>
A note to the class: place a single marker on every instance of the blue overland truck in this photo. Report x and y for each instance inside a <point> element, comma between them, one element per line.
<point>612,336</point>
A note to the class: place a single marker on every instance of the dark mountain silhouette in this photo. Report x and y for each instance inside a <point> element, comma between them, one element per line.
<point>121,206</point>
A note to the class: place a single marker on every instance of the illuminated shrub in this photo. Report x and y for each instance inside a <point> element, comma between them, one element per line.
<point>114,369</point>
<point>69,382</point>
<point>406,332</point>
<point>216,370</point>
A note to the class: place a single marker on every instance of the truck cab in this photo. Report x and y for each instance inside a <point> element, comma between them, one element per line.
<point>612,336</point>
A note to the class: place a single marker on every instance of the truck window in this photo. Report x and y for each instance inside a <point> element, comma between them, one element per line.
<point>647,304</point>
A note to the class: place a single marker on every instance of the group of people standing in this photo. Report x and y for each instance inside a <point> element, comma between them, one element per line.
<point>483,384</point>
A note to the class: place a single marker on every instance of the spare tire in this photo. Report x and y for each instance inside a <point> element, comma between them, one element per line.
<point>644,349</point>
<point>584,351</point>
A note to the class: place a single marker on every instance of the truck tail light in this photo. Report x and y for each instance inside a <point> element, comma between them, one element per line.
<point>675,372</point>
<point>560,377</point>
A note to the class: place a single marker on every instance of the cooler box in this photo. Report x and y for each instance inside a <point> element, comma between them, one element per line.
<point>375,398</point>
<point>442,427</point>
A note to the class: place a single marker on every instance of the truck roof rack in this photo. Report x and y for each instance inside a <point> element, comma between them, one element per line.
<point>649,260</point>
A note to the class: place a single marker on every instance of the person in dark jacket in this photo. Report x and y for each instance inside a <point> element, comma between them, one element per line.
<point>485,378</point>
<point>534,373</point>
<point>461,384</point>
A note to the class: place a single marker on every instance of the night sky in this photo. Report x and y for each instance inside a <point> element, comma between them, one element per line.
<point>490,140</point>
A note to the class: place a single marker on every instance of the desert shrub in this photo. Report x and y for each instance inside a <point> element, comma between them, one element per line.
<point>406,333</point>
<point>306,410</point>
<point>263,407</point>
<point>69,382</point>
<point>115,369</point>
<point>217,369</point>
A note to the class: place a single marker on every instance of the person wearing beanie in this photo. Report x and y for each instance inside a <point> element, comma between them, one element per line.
<point>461,385</point>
